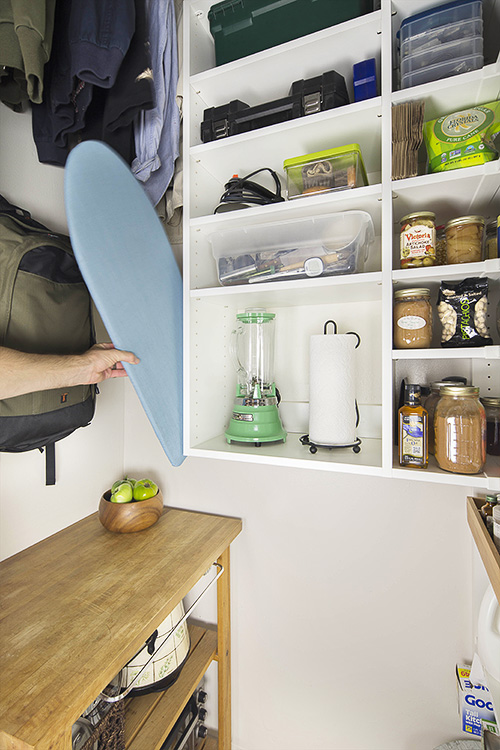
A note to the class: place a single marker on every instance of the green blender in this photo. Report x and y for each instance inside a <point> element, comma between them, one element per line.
<point>255,418</point>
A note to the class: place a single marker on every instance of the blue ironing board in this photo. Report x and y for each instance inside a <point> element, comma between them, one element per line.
<point>130,270</point>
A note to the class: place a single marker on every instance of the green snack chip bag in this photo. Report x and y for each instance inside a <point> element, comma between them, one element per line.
<point>464,138</point>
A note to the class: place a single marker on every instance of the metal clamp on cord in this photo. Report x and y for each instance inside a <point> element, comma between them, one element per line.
<point>115,698</point>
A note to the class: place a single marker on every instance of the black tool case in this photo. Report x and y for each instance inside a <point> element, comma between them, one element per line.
<point>305,97</point>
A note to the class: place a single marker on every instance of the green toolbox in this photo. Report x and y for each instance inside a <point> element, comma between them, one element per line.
<point>242,27</point>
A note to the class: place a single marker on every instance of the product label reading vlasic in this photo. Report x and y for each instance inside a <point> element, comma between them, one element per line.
<point>475,703</point>
<point>412,437</point>
<point>418,241</point>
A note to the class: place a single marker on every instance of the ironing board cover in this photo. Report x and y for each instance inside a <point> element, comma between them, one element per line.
<point>130,270</point>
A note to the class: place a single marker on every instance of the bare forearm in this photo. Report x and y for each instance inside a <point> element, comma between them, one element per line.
<point>24,373</point>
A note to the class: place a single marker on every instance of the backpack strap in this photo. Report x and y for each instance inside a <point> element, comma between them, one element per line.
<point>50,464</point>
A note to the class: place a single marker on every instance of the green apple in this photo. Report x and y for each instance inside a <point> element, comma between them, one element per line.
<point>144,488</point>
<point>123,493</point>
<point>126,480</point>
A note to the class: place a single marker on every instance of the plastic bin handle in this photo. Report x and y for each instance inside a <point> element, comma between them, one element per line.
<point>115,698</point>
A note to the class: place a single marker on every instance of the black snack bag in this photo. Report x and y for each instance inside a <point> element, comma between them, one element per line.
<point>462,307</point>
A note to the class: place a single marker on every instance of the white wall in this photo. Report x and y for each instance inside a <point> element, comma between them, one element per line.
<point>351,595</point>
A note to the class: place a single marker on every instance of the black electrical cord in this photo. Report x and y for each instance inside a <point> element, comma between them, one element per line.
<point>240,192</point>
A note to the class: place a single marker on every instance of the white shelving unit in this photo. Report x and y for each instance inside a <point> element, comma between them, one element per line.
<point>362,302</point>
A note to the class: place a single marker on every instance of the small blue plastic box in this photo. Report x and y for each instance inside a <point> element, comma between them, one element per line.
<point>365,80</point>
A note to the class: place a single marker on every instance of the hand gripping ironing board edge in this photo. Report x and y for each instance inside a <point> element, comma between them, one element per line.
<point>130,270</point>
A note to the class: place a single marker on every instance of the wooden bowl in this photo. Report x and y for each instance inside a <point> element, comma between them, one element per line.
<point>124,518</point>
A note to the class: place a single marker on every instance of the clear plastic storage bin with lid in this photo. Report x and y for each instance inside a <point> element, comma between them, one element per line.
<point>325,171</point>
<point>325,245</point>
<point>441,42</point>
<point>442,35</point>
<point>431,25</point>
<point>443,53</point>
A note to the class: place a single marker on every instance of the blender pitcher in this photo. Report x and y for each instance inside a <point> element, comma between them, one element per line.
<point>255,418</point>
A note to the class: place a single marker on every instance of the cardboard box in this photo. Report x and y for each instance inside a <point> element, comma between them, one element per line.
<point>474,702</point>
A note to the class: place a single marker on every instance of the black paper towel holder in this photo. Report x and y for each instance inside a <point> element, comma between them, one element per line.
<point>313,447</point>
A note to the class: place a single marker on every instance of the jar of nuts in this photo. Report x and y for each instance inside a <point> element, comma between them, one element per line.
<point>464,239</point>
<point>418,240</point>
<point>412,319</point>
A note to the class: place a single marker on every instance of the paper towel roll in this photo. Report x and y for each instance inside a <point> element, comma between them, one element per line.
<point>332,407</point>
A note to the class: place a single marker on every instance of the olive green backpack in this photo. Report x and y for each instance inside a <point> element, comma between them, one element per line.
<point>45,308</point>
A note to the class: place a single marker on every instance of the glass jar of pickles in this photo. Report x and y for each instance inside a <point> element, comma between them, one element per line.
<point>418,240</point>
<point>412,319</point>
<point>460,430</point>
<point>464,239</point>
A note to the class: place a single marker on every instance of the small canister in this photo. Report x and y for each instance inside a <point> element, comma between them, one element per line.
<point>496,526</point>
<point>464,239</point>
<point>491,240</point>
<point>460,430</point>
<point>418,239</point>
<point>492,410</point>
<point>412,319</point>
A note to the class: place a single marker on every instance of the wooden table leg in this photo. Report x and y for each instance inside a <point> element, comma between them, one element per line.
<point>224,653</point>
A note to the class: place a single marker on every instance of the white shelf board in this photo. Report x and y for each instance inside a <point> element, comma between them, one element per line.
<point>487,479</point>
<point>247,79</point>
<point>451,94</point>
<point>449,194</point>
<point>487,268</point>
<point>483,352</point>
<point>366,287</point>
<point>353,123</point>
<point>295,455</point>
<point>367,198</point>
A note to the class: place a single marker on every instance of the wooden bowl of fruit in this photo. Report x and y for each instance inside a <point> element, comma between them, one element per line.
<point>130,505</point>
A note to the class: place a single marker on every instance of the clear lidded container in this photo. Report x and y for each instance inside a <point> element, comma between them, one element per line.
<point>464,239</point>
<point>418,240</point>
<point>460,430</point>
<point>412,319</point>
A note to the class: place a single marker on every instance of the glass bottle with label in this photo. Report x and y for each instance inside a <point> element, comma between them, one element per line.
<point>412,430</point>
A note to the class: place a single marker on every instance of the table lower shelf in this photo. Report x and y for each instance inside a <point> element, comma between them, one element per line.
<point>149,718</point>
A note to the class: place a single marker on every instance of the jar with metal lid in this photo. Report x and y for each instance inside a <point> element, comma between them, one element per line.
<point>430,407</point>
<point>492,410</point>
<point>418,240</point>
<point>412,319</point>
<point>491,240</point>
<point>464,239</point>
<point>440,245</point>
<point>460,430</point>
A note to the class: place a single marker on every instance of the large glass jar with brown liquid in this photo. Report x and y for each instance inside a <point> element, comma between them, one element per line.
<point>460,430</point>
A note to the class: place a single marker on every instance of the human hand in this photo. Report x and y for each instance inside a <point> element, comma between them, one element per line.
<point>103,361</point>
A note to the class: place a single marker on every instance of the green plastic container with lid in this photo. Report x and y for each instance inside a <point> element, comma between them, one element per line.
<point>242,27</point>
<point>338,168</point>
